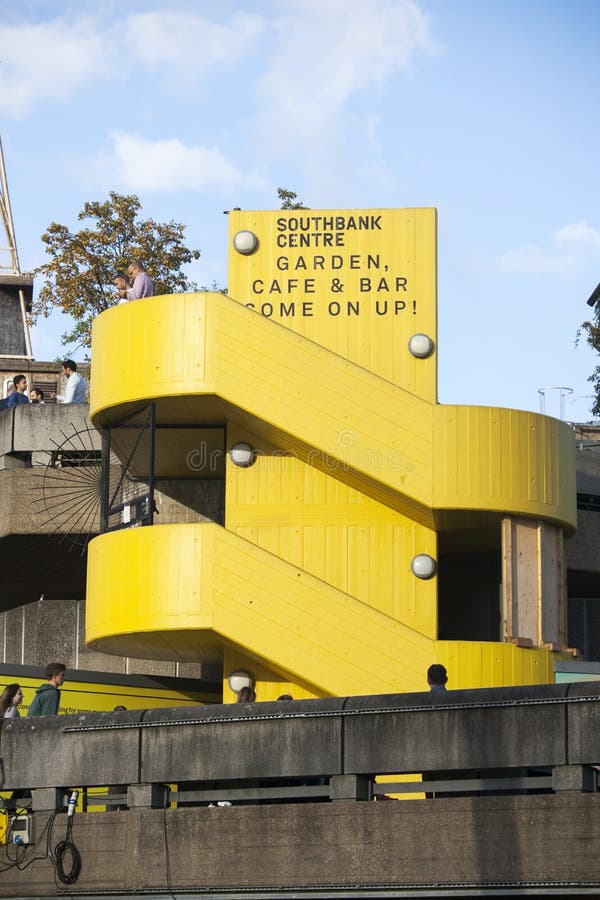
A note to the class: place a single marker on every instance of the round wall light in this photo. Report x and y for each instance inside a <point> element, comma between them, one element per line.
<point>423,566</point>
<point>421,346</point>
<point>245,242</point>
<point>239,679</point>
<point>242,454</point>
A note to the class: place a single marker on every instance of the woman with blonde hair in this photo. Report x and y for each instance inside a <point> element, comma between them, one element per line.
<point>12,696</point>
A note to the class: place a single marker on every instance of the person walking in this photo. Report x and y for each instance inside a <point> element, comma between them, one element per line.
<point>47,696</point>
<point>11,697</point>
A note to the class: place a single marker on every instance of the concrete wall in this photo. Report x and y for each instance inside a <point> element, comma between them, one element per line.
<point>331,850</point>
<point>339,848</point>
<point>582,556</point>
<point>54,628</point>
<point>12,333</point>
<point>540,726</point>
<point>582,548</point>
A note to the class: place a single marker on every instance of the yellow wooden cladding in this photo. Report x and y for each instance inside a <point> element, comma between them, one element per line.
<point>209,583</point>
<point>489,664</point>
<point>332,531</point>
<point>358,282</point>
<point>417,458</point>
<point>506,456</point>
<point>182,591</point>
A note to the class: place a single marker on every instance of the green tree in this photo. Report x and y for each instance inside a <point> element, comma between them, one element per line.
<point>592,329</point>
<point>288,199</point>
<point>79,276</point>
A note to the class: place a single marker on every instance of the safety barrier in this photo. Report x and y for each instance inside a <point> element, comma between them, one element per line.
<point>508,739</point>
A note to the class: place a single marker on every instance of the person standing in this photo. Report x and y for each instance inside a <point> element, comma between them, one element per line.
<point>18,395</point>
<point>143,286</point>
<point>122,284</point>
<point>47,696</point>
<point>36,396</point>
<point>75,389</point>
<point>12,696</point>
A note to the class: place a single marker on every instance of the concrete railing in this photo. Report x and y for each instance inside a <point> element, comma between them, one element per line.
<point>29,434</point>
<point>332,747</point>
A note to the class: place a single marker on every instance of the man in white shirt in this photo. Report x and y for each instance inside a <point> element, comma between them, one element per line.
<point>75,389</point>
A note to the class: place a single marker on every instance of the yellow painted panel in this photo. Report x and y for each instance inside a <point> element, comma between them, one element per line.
<point>96,696</point>
<point>504,460</point>
<point>331,408</point>
<point>417,457</point>
<point>302,629</point>
<point>331,531</point>
<point>409,776</point>
<point>338,411</point>
<point>171,345</point>
<point>359,282</point>
<point>271,610</point>
<point>488,664</point>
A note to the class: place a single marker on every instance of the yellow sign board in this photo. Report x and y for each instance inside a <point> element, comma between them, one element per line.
<point>359,282</point>
<point>103,695</point>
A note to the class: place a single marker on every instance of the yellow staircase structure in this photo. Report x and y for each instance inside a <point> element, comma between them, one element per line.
<point>308,582</point>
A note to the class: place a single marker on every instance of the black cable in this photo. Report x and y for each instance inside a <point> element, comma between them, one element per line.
<point>47,829</point>
<point>26,853</point>
<point>64,848</point>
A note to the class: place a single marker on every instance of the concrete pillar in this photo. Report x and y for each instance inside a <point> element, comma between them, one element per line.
<point>7,461</point>
<point>40,458</point>
<point>350,787</point>
<point>573,778</point>
<point>48,799</point>
<point>153,796</point>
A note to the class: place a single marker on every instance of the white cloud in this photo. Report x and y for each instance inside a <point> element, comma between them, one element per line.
<point>51,61</point>
<point>581,233</point>
<point>171,165</point>
<point>189,44</point>
<point>532,260</point>
<point>48,61</point>
<point>329,52</point>
<point>578,237</point>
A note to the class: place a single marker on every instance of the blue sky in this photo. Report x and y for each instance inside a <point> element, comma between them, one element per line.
<point>485,109</point>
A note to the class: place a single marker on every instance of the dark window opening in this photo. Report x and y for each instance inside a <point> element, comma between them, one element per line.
<point>178,470</point>
<point>588,502</point>
<point>469,596</point>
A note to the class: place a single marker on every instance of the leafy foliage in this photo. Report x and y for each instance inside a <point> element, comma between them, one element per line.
<point>288,199</point>
<point>592,330</point>
<point>78,278</point>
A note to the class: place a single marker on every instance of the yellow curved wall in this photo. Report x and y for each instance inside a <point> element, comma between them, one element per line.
<point>414,456</point>
<point>308,583</point>
<point>184,591</point>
